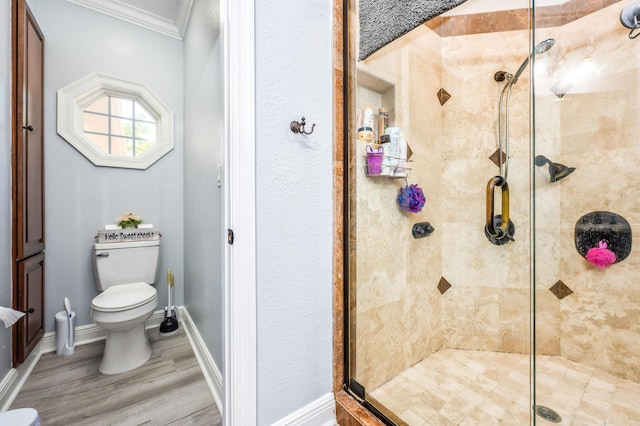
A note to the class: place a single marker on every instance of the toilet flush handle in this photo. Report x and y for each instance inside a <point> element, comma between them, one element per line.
<point>103,254</point>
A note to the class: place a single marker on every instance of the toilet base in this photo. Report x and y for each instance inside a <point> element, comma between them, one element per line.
<point>125,350</point>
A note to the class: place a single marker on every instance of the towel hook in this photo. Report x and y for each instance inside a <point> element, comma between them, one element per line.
<point>298,127</point>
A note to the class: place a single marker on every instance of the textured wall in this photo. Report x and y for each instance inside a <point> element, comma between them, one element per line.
<point>294,205</point>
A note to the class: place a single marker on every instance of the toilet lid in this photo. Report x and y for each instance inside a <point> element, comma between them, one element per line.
<point>125,296</point>
<point>20,417</point>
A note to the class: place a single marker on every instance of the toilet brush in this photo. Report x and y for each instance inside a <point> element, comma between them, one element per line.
<point>170,323</point>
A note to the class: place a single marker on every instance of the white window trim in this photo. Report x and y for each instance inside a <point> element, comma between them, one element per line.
<point>74,97</point>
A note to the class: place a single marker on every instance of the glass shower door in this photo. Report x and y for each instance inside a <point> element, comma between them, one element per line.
<point>439,313</point>
<point>587,305</point>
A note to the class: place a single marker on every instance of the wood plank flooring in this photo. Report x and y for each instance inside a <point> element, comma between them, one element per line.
<point>168,390</point>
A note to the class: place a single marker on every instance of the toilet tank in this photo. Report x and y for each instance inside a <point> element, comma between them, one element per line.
<point>125,263</point>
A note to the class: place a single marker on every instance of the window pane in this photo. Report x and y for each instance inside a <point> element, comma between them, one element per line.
<point>143,145</point>
<point>96,123</point>
<point>101,106</point>
<point>122,107</point>
<point>143,114</point>
<point>101,141</point>
<point>122,146</point>
<point>121,127</point>
<point>146,130</point>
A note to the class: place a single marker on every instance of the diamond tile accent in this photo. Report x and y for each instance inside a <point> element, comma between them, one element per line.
<point>443,96</point>
<point>560,290</point>
<point>495,157</point>
<point>443,285</point>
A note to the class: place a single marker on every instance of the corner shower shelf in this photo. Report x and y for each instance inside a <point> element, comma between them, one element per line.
<point>403,170</point>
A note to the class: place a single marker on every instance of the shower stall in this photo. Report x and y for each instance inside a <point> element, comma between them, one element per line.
<point>448,327</point>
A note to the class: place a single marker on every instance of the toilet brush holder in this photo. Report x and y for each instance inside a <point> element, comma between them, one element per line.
<point>65,344</point>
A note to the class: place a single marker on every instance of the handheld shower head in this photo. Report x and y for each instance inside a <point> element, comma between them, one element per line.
<point>541,47</point>
<point>557,171</point>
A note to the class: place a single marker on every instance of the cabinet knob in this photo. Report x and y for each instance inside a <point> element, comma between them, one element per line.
<point>29,311</point>
<point>29,128</point>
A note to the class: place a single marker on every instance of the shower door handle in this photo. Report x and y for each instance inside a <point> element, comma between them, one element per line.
<point>503,228</point>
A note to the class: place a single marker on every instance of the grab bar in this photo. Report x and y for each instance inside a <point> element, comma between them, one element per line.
<point>504,228</point>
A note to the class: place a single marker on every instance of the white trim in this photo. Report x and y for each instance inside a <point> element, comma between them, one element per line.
<point>239,291</point>
<point>143,18</point>
<point>15,379</point>
<point>321,412</point>
<point>210,370</point>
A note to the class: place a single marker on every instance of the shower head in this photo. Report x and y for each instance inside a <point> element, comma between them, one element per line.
<point>545,45</point>
<point>541,47</point>
<point>557,171</point>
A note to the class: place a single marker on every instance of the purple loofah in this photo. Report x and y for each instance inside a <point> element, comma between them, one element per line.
<point>411,198</point>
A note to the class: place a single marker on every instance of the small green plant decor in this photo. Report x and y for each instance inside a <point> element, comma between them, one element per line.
<point>129,220</point>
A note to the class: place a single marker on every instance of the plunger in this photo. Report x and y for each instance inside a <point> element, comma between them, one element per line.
<point>170,323</point>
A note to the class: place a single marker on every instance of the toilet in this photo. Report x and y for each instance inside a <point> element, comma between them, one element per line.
<point>20,417</point>
<point>125,273</point>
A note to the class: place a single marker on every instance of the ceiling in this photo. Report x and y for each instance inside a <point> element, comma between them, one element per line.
<point>168,17</point>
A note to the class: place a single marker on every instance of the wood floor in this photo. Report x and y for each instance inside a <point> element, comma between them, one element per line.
<point>168,390</point>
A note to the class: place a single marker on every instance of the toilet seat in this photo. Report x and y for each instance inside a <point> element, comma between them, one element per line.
<point>123,297</point>
<point>20,417</point>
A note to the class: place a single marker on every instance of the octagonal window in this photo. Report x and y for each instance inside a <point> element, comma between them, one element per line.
<point>114,122</point>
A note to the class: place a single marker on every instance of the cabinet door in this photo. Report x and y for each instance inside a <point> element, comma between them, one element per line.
<point>27,150</point>
<point>30,299</point>
<point>29,146</point>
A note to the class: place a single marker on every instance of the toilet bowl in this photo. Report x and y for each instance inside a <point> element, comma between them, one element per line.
<point>20,417</point>
<point>122,310</point>
<point>124,274</point>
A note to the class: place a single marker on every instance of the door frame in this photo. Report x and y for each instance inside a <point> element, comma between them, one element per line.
<point>239,292</point>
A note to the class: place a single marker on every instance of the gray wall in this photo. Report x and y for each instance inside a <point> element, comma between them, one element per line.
<point>203,197</point>
<point>80,197</point>
<point>5,180</point>
<point>294,205</point>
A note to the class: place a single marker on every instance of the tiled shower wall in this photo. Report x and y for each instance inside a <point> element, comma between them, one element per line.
<point>401,315</point>
<point>600,321</point>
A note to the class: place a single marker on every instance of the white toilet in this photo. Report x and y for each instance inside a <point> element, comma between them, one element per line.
<point>125,273</point>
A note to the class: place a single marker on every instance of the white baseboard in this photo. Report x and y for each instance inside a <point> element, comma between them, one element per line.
<point>15,378</point>
<point>210,370</point>
<point>321,412</point>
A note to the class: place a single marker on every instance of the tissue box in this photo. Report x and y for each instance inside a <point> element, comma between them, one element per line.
<point>127,235</point>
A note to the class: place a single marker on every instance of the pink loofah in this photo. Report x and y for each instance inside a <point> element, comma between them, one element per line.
<point>601,256</point>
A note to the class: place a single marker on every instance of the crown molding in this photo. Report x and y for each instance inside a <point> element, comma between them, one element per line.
<point>121,10</point>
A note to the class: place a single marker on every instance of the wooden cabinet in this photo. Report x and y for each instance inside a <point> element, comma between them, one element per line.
<point>27,150</point>
<point>30,280</point>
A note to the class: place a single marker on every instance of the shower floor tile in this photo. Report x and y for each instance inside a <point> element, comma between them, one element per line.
<point>461,387</point>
